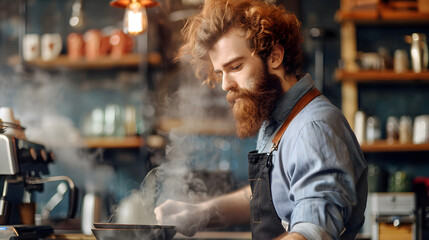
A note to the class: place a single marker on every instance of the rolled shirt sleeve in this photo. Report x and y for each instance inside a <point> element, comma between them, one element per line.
<point>321,178</point>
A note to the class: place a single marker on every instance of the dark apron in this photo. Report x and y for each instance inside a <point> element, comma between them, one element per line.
<point>264,221</point>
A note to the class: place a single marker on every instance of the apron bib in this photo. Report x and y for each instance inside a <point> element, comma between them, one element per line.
<point>264,221</point>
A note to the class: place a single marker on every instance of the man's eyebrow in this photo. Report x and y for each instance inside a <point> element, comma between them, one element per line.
<point>229,63</point>
<point>232,61</point>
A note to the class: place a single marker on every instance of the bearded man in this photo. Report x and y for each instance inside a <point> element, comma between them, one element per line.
<point>308,176</point>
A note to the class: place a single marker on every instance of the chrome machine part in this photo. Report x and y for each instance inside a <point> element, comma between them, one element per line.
<point>8,165</point>
<point>53,202</point>
<point>73,195</point>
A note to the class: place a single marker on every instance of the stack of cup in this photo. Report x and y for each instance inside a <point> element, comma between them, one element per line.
<point>1,126</point>
<point>12,126</point>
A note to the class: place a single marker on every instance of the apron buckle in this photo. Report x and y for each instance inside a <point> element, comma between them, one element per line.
<point>273,148</point>
<point>270,156</point>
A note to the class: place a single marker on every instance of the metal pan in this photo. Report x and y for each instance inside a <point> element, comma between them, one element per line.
<point>130,226</point>
<point>112,231</point>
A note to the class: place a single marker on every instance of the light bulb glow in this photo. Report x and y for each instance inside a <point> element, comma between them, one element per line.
<point>135,19</point>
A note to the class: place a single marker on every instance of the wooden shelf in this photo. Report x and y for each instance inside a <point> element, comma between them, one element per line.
<point>112,142</point>
<point>105,62</point>
<point>383,15</point>
<point>380,76</point>
<point>383,146</point>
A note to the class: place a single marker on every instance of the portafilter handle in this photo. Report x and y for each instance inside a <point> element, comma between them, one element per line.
<point>4,206</point>
<point>73,195</point>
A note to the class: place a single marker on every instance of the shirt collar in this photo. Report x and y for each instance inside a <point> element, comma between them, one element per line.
<point>287,101</point>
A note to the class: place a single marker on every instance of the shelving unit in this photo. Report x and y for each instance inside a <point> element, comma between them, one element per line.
<point>351,75</point>
<point>102,63</point>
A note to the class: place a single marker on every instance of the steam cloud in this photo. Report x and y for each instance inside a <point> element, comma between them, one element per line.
<point>181,176</point>
<point>34,100</point>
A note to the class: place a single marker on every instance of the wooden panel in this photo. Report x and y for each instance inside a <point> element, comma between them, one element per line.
<point>348,55</point>
<point>349,94</point>
<point>388,232</point>
<point>349,46</point>
<point>403,15</point>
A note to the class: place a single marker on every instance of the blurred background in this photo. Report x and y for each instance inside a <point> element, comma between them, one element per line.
<point>111,107</point>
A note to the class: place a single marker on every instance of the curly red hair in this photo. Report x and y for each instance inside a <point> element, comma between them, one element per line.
<point>265,25</point>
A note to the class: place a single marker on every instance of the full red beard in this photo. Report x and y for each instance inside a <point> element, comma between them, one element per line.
<point>255,105</point>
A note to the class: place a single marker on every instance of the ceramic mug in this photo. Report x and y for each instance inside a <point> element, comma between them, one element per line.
<point>96,44</point>
<point>75,46</point>
<point>121,43</point>
<point>51,46</point>
<point>31,47</point>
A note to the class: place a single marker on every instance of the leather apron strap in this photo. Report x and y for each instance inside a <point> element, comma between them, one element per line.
<point>306,99</point>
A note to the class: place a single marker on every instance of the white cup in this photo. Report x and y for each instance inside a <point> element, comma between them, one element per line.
<point>400,61</point>
<point>421,129</point>
<point>31,46</point>
<point>51,46</point>
<point>6,114</point>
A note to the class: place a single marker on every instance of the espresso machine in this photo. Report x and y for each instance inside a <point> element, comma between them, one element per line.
<point>23,165</point>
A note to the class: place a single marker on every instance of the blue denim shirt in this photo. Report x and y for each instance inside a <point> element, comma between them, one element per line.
<point>319,178</point>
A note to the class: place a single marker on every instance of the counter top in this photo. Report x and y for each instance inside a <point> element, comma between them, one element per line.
<point>199,235</point>
<point>217,235</point>
<point>178,236</point>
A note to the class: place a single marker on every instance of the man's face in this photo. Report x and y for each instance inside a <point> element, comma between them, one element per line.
<point>252,92</point>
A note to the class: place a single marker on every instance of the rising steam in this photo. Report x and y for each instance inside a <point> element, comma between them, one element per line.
<point>181,176</point>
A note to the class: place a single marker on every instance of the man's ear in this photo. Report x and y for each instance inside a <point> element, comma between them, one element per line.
<point>275,60</point>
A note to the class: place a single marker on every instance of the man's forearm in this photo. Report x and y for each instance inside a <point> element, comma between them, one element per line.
<point>232,208</point>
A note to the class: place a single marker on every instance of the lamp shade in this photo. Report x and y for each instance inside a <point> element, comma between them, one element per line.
<point>125,3</point>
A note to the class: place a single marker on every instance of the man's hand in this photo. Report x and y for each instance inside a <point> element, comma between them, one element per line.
<point>225,210</point>
<point>291,236</point>
<point>188,218</point>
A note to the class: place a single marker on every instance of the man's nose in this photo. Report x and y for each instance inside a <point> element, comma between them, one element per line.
<point>228,83</point>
